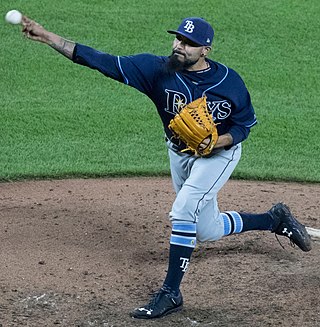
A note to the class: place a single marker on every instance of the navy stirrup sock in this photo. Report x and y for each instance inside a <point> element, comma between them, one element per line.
<point>235,222</point>
<point>182,244</point>
<point>261,221</point>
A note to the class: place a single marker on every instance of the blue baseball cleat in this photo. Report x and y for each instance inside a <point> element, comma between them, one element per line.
<point>161,304</point>
<point>286,225</point>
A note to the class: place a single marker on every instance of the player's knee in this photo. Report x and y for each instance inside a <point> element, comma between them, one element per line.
<point>180,221</point>
<point>208,235</point>
<point>201,239</point>
<point>208,238</point>
<point>177,217</point>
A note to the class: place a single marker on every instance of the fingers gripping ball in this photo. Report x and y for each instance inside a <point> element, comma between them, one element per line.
<point>193,124</point>
<point>13,17</point>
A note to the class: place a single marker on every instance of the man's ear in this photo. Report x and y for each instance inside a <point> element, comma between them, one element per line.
<point>205,51</point>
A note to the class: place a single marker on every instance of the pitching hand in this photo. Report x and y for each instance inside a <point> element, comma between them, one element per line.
<point>33,30</point>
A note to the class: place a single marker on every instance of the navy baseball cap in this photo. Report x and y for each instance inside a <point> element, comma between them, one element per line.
<point>195,29</point>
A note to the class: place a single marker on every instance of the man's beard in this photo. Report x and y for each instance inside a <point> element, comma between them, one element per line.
<point>176,65</point>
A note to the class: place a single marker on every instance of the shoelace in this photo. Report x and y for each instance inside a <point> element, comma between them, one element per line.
<point>292,244</point>
<point>154,298</point>
<point>156,295</point>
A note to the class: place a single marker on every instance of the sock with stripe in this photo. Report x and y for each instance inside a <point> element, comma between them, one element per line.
<point>182,244</point>
<point>235,222</point>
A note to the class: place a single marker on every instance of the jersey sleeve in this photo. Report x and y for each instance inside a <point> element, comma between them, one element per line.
<point>243,116</point>
<point>137,71</point>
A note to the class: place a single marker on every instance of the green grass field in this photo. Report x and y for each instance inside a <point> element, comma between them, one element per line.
<point>61,120</point>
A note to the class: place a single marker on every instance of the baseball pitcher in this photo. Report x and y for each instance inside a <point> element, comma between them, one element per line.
<point>207,113</point>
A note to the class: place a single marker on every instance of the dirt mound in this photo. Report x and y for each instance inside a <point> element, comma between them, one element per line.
<point>85,252</point>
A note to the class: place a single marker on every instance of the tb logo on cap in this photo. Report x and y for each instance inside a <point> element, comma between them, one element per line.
<point>189,27</point>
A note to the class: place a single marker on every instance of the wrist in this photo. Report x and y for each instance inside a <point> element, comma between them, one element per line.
<point>224,140</point>
<point>51,38</point>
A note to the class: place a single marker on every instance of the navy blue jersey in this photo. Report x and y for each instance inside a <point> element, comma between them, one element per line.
<point>227,96</point>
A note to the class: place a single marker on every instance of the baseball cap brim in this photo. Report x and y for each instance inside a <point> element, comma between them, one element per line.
<point>185,34</point>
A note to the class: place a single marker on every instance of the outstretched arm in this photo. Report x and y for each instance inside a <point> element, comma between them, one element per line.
<point>36,32</point>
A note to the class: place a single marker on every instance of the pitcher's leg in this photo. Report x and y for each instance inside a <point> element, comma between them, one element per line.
<point>197,198</point>
<point>180,167</point>
<point>210,226</point>
<point>278,220</point>
<point>207,177</point>
<point>196,181</point>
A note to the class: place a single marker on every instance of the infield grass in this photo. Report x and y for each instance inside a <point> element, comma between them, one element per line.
<point>62,120</point>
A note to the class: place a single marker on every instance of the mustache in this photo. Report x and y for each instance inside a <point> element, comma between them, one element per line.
<point>178,52</point>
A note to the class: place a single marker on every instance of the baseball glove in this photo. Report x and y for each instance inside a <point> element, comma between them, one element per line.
<point>193,124</point>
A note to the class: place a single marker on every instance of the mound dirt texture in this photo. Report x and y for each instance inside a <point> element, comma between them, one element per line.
<point>86,252</point>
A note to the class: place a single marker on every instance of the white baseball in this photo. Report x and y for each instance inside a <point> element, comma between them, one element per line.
<point>13,17</point>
